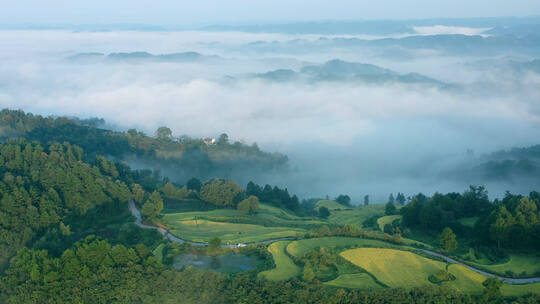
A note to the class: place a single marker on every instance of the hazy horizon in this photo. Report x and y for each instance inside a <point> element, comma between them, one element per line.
<point>213,12</point>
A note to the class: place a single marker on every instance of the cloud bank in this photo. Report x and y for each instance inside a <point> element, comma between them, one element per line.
<point>342,137</point>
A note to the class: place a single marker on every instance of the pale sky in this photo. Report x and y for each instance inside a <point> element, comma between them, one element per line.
<point>169,12</point>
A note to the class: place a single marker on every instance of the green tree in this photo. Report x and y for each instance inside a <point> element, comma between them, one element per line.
<point>223,139</point>
<point>153,206</point>
<point>388,229</point>
<point>366,200</point>
<point>500,227</point>
<point>391,199</point>
<point>221,192</point>
<point>447,240</point>
<point>390,208</point>
<point>214,243</point>
<point>249,206</point>
<point>324,212</point>
<point>344,199</point>
<point>400,198</point>
<point>137,193</point>
<point>194,184</point>
<point>493,289</point>
<point>164,133</point>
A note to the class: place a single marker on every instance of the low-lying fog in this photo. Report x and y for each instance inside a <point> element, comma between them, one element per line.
<point>342,135</point>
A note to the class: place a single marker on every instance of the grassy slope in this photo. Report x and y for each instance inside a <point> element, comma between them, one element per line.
<point>518,263</point>
<point>395,268</point>
<point>231,226</point>
<point>285,267</point>
<point>301,247</point>
<point>404,269</point>
<point>203,231</point>
<point>357,215</point>
<point>355,280</point>
<point>388,219</point>
<point>331,205</point>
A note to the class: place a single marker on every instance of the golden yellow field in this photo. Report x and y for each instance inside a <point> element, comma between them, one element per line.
<point>403,269</point>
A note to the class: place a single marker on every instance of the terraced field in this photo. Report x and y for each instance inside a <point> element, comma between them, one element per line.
<point>331,205</point>
<point>355,280</point>
<point>355,216</point>
<point>285,267</point>
<point>204,231</point>
<point>394,268</point>
<point>518,264</point>
<point>402,269</point>
<point>301,247</point>
<point>231,226</point>
<point>388,219</point>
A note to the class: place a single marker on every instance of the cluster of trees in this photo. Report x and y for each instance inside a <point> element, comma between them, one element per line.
<point>43,188</point>
<point>352,230</point>
<point>223,193</point>
<point>274,196</point>
<point>514,222</point>
<point>249,206</point>
<point>443,210</point>
<point>169,190</point>
<point>344,200</point>
<point>399,199</point>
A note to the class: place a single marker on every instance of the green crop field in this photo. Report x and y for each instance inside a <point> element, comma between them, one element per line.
<point>301,247</point>
<point>267,216</point>
<point>331,205</point>
<point>355,216</point>
<point>388,219</point>
<point>518,264</point>
<point>203,231</point>
<point>354,280</point>
<point>285,267</point>
<point>520,290</point>
<point>468,221</point>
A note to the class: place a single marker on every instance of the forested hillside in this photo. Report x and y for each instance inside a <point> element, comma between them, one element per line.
<point>178,157</point>
<point>49,188</point>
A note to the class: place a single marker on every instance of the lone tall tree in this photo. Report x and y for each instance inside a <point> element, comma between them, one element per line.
<point>164,133</point>
<point>447,240</point>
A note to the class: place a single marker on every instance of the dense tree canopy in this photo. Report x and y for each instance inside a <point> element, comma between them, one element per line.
<point>42,188</point>
<point>274,195</point>
<point>222,193</point>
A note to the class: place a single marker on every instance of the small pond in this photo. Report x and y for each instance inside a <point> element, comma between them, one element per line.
<point>229,263</point>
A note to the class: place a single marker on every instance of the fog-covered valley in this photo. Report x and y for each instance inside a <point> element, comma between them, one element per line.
<point>356,112</point>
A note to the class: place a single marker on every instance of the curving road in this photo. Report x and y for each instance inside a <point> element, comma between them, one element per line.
<point>138,221</point>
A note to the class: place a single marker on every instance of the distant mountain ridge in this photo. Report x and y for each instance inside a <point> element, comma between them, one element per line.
<point>142,56</point>
<point>339,70</point>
